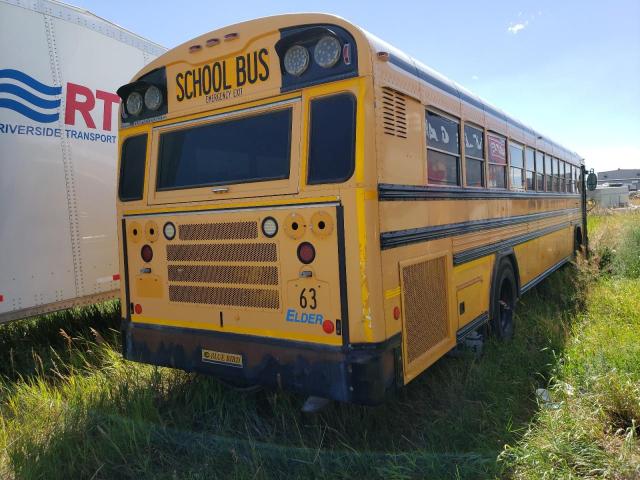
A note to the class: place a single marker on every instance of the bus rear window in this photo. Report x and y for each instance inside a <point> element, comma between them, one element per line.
<point>332,139</point>
<point>134,153</point>
<point>248,149</point>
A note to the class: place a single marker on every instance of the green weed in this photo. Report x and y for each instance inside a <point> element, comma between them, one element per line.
<point>71,407</point>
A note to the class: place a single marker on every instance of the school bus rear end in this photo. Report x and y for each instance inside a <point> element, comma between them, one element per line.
<point>256,268</point>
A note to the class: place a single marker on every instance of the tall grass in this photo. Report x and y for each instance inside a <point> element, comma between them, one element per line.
<point>591,428</point>
<point>71,407</point>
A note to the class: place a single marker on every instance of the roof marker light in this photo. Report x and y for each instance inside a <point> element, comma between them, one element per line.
<point>384,56</point>
<point>212,42</point>
<point>195,48</point>
<point>346,53</point>
<point>230,36</point>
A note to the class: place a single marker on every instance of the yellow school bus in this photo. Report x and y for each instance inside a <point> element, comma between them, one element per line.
<point>305,207</point>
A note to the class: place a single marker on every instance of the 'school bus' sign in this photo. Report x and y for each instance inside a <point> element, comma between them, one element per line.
<point>223,79</point>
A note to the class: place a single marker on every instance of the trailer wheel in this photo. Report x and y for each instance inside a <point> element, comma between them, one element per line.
<point>504,302</point>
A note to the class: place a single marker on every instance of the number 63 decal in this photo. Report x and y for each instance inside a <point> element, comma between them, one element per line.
<point>310,301</point>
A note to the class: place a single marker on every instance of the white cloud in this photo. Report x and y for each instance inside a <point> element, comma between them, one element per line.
<point>475,77</point>
<point>610,157</point>
<point>516,27</point>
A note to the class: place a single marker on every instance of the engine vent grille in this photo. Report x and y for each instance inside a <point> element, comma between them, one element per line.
<point>218,231</point>
<point>252,275</point>
<point>425,303</point>
<point>213,264</point>
<point>223,252</point>
<point>228,296</point>
<point>394,113</point>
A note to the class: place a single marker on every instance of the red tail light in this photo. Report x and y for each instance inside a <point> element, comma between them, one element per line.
<point>138,308</point>
<point>328,326</point>
<point>306,252</point>
<point>146,253</point>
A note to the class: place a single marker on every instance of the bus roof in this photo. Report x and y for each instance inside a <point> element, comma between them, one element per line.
<point>374,46</point>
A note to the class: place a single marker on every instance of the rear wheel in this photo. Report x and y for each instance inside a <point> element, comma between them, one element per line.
<point>504,302</point>
<point>577,240</point>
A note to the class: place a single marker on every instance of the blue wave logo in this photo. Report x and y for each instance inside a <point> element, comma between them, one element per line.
<point>26,102</point>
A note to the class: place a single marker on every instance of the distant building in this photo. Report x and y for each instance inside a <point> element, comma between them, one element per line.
<point>629,177</point>
<point>610,197</point>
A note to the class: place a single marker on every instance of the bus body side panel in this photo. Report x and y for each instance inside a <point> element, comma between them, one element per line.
<point>422,229</point>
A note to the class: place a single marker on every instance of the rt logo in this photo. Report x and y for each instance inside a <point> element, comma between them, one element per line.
<point>41,103</point>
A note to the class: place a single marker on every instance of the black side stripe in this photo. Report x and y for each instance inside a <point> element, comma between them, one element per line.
<point>483,251</point>
<point>413,69</point>
<point>388,192</point>
<point>342,269</point>
<point>532,283</point>
<point>125,274</point>
<point>424,234</point>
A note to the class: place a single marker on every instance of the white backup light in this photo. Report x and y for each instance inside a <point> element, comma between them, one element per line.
<point>269,227</point>
<point>169,231</point>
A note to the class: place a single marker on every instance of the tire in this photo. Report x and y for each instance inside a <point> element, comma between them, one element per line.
<point>504,302</point>
<point>577,240</point>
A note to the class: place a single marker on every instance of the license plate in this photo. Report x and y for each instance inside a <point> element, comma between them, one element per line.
<point>224,358</point>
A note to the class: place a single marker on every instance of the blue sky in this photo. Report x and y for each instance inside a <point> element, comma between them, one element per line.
<point>568,68</point>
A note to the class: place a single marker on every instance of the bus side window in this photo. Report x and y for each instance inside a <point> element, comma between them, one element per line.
<point>132,162</point>
<point>474,156</point>
<point>548,172</point>
<point>497,156</point>
<point>516,160</point>
<point>530,161</point>
<point>332,139</point>
<point>443,150</point>
<point>539,170</point>
<point>556,173</point>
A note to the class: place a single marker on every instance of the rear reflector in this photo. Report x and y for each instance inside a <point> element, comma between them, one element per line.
<point>116,276</point>
<point>1,298</point>
<point>138,308</point>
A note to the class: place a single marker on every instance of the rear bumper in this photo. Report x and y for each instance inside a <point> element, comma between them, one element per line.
<point>359,373</point>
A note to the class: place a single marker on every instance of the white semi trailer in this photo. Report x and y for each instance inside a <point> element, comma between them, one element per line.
<point>59,69</point>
